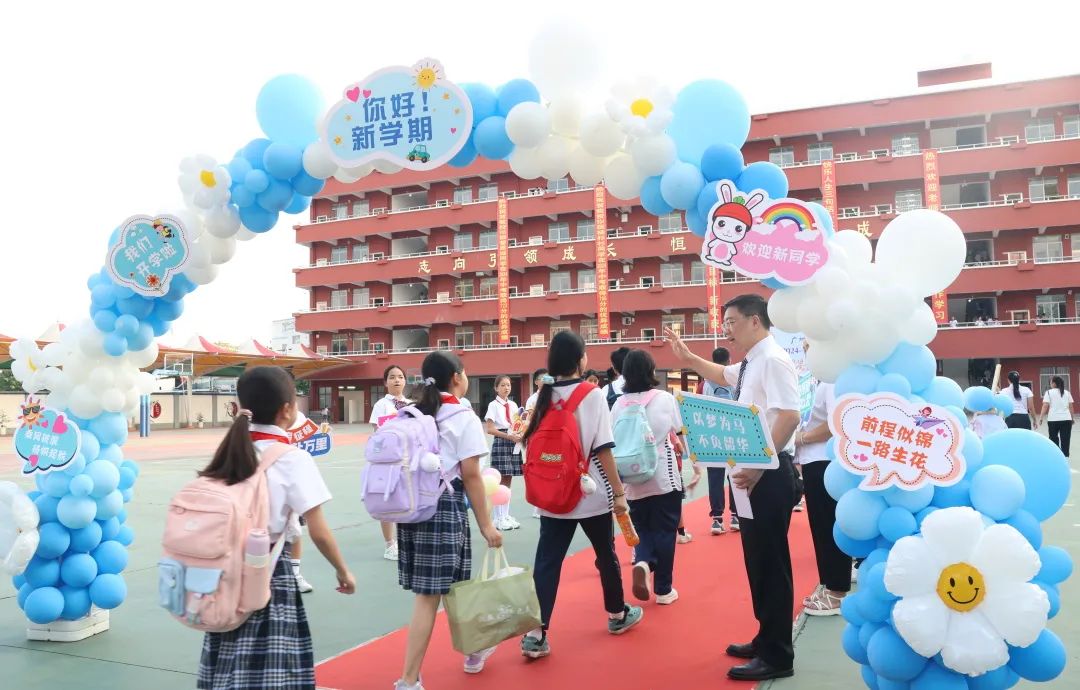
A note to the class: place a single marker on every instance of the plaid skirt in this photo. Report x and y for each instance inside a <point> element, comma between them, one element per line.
<point>271,650</point>
<point>435,554</point>
<point>504,459</point>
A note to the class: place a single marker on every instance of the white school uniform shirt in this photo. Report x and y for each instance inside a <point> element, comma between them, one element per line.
<point>824,403</point>
<point>594,427</point>
<point>460,437</point>
<point>1059,405</point>
<point>1020,405</point>
<point>770,382</point>
<point>496,412</point>
<point>295,484</point>
<point>384,407</point>
<point>664,418</point>
<point>530,404</point>
<point>987,424</point>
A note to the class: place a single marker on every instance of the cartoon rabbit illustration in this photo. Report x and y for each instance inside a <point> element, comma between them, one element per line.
<point>729,222</point>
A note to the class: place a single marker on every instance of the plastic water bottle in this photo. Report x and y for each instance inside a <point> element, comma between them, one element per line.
<point>257,548</point>
<point>629,533</point>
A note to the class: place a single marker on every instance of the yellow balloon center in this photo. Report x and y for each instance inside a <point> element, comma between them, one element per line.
<point>641,107</point>
<point>961,587</point>
<point>426,78</point>
<point>207,178</point>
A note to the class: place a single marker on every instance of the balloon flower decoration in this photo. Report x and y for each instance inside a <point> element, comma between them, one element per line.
<point>18,529</point>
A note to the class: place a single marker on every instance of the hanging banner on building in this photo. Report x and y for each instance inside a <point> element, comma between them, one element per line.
<point>411,116</point>
<point>46,439</point>
<point>726,432</point>
<point>502,263</point>
<point>147,253</point>
<point>931,181</point>
<point>603,311</point>
<point>939,302</point>
<point>828,188</point>
<point>712,280</point>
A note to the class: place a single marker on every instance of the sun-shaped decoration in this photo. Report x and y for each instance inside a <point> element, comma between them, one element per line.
<point>641,107</point>
<point>427,72</point>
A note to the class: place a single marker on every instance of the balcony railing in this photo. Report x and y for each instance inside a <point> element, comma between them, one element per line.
<point>994,323</point>
<point>1016,198</point>
<point>513,346</point>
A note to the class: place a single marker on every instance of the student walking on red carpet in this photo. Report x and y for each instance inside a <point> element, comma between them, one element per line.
<point>504,456</point>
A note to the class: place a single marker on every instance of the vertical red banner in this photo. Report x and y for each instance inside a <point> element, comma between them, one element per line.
<point>931,181</point>
<point>603,311</point>
<point>503,268</point>
<point>939,302</point>
<point>828,188</point>
<point>712,282</point>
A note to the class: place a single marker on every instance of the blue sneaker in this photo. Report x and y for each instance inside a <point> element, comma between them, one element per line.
<point>535,648</point>
<point>632,615</point>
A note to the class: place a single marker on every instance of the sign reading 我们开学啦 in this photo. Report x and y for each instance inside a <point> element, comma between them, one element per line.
<point>46,439</point>
<point>409,116</point>
<point>726,432</point>
<point>148,252</point>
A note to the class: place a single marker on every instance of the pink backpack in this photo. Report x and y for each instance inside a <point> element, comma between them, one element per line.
<point>215,571</point>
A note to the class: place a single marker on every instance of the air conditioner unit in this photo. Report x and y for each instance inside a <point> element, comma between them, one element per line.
<point>850,212</point>
<point>534,191</point>
<point>511,242</point>
<point>879,153</point>
<point>1012,198</point>
<point>378,301</point>
<point>646,281</point>
<point>378,347</point>
<point>442,249</point>
<point>377,256</point>
<point>1016,257</point>
<point>320,262</point>
<point>320,306</point>
<point>443,343</point>
<point>628,320</point>
<point>1011,139</point>
<point>442,296</point>
<point>881,209</point>
<point>536,239</point>
<point>442,202</point>
<point>377,211</point>
<point>321,219</point>
<point>644,229</point>
<point>509,195</point>
<point>536,290</point>
<point>850,156</point>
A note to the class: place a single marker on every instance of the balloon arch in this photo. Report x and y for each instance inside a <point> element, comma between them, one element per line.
<point>969,512</point>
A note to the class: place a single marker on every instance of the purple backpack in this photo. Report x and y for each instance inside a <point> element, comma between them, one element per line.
<point>403,479</point>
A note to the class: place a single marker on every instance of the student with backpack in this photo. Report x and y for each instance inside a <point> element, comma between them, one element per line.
<point>570,475</point>
<point>434,547</point>
<point>504,456</point>
<point>614,389</point>
<point>259,473</point>
<point>647,425</point>
<point>383,409</point>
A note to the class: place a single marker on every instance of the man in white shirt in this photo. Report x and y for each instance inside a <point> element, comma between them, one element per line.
<point>767,378</point>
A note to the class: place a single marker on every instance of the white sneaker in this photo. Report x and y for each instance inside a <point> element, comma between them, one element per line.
<point>303,584</point>
<point>642,588</point>
<point>402,685</point>
<point>685,538</point>
<point>501,525</point>
<point>391,553</point>
<point>514,524</point>
<point>854,574</point>
<point>669,598</point>
<point>474,663</point>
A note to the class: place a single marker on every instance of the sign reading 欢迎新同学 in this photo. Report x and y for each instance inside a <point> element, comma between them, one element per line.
<point>726,432</point>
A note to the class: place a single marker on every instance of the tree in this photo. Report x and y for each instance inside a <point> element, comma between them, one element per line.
<point>9,383</point>
<point>303,387</point>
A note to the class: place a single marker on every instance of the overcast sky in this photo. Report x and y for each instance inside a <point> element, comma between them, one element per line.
<point>102,100</point>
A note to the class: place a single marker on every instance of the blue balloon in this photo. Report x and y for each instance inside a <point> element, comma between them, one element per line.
<point>848,610</point>
<point>276,198</point>
<point>283,161</point>
<point>514,92</point>
<point>979,399</point>
<point>238,168</point>
<point>46,506</point>
<point>722,162</point>
<point>858,378</point>
<point>109,428</point>
<point>74,468</point>
<point>872,582</point>
<point>76,512</point>
<point>306,185</point>
<point>112,452</point>
<point>973,449</point>
<point>44,605</point>
<point>707,198</point>
<point>109,528</point>
<point>91,446</point>
<point>1004,403</point>
<point>241,196</point>
<point>921,515</point>
<point>916,363</point>
<point>873,609</point>
<point>491,140</point>
<point>1040,662</point>
<point>105,320</point>
<point>912,501</point>
<point>943,391</point>
<point>136,305</point>
<point>108,591</point>
<point>773,284</point>
<point>886,684</point>
<point>866,632</point>
<point>997,491</point>
<point>126,535</point>
<point>54,484</point>
<point>1038,461</point>
<point>766,176</point>
<point>42,572</point>
<point>122,292</point>
<point>465,156</point>
<point>839,481</point>
<point>256,181</point>
<point>705,113</point>
<point>1053,594</point>
<point>933,677</point>
<point>115,345</point>
<point>880,555</point>
<point>823,218</point>
<point>894,383</point>
<point>680,185</point>
<point>101,294</point>
<point>288,109</point>
<point>849,640</point>
<point>696,222</point>
<point>1057,564</point>
<point>855,548</point>
<point>256,219</point>
<point>110,505</point>
<point>126,325</point>
<point>483,100</point>
<point>869,677</point>
<point>76,602</point>
<point>896,523</point>
<point>998,679</point>
<point>954,496</point>
<point>86,539</point>
<point>652,200</point>
<point>24,591</point>
<point>105,476</point>
<point>892,658</point>
<point>130,465</point>
<point>142,338</point>
<point>53,540</point>
<point>78,570</point>
<point>168,311</point>
<point>1028,525</point>
<point>111,557</point>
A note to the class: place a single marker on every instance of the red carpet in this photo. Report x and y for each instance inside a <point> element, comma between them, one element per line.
<point>674,646</point>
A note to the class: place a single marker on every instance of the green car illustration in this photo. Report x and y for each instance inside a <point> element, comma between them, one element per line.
<point>420,151</point>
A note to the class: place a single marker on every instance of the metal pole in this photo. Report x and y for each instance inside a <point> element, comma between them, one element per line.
<point>144,416</point>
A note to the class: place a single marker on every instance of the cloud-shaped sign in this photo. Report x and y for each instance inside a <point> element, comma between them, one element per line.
<point>46,439</point>
<point>148,253</point>
<point>895,443</point>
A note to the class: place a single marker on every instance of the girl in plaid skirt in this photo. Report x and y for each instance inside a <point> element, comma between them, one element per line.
<point>272,649</point>
<point>505,455</point>
<point>435,554</point>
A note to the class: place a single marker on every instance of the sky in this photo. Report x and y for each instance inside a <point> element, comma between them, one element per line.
<point>101,101</point>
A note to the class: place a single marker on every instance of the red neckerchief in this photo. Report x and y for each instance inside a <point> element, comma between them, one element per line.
<point>263,436</point>
<point>506,406</point>
<point>447,398</point>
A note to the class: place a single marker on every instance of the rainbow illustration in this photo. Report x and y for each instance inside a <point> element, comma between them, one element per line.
<point>789,210</point>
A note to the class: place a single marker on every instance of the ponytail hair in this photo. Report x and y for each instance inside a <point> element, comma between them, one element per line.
<point>1059,383</point>
<point>438,371</point>
<point>1014,378</point>
<point>565,353</point>
<point>262,391</point>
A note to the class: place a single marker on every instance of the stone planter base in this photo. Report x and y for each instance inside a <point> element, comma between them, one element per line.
<point>70,631</point>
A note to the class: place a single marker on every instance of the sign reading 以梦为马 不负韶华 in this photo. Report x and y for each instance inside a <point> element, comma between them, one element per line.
<point>147,253</point>
<point>407,116</point>
<point>726,432</point>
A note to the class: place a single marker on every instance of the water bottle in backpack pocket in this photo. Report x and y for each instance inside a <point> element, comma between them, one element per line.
<point>636,446</point>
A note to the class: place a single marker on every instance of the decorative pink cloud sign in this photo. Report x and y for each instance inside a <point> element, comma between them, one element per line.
<point>896,443</point>
<point>763,238</point>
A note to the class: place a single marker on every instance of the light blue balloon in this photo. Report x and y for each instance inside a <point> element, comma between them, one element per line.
<point>1038,461</point>
<point>108,591</point>
<point>954,496</point>
<point>76,466</point>
<point>276,198</point>
<point>1004,403</point>
<point>126,325</point>
<point>111,557</point>
<point>934,677</point>
<point>892,658</point>
<point>105,320</point>
<point>849,641</point>
<point>167,311</point>
<point>42,572</point>
<point>91,446</point>
<point>53,540</point>
<point>130,465</point>
<point>306,185</point>
<point>86,539</point>
<point>979,399</point>
<point>1053,594</point>
<point>299,204</point>
<point>76,512</point>
<point>78,570</point>
<point>945,392</point>
<point>823,218</point>
<point>465,156</point>
<point>126,535</point>
<point>76,602</point>
<point>288,109</point>
<point>135,305</point>
<point>1040,662</point>
<point>705,113</point>
<point>997,491</point>
<point>973,450</point>
<point>109,528</point>
<point>896,523</point>
<point>483,100</point>
<point>241,196</point>
<point>773,284</point>
<point>115,345</point>
<point>722,162</point>
<point>680,185</point>
<point>858,378</point>
<point>44,605</point>
<point>765,176</point>
<point>55,484</point>
<point>112,452</point>
<point>838,481</point>
<point>238,168</point>
<point>109,505</point>
<point>707,198</point>
<point>81,485</point>
<point>894,383</point>
<point>257,219</point>
<point>46,506</point>
<point>142,338</point>
<point>652,200</point>
<point>491,140</point>
<point>696,222</point>
<point>916,363</point>
<point>856,548</point>
<point>110,428</point>
<point>101,295</point>
<point>1057,564</point>
<point>514,92</point>
<point>912,501</point>
<point>257,181</point>
<point>104,476</point>
<point>857,513</point>
<point>1028,525</point>
<point>283,161</point>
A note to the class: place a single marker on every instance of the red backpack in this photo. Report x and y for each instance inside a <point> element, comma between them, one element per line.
<point>554,460</point>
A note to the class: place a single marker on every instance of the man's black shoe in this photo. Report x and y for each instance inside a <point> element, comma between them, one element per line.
<point>741,651</point>
<point>758,670</point>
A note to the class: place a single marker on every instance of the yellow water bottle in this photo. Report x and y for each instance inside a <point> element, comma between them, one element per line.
<point>629,533</point>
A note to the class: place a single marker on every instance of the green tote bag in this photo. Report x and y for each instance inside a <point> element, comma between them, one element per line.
<point>493,606</point>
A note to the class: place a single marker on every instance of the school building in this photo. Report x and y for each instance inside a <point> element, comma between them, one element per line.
<point>406,263</point>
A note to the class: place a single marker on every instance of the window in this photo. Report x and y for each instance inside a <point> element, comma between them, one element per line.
<point>325,392</point>
<point>1073,190</point>
<point>821,151</point>
<point>462,195</point>
<point>463,337</point>
<point>339,254</point>
<point>487,239</point>
<point>979,251</point>
<point>1046,373</point>
<point>560,185</point>
<point>1020,315</point>
<point>463,288</point>
<point>536,340</point>
<point>1050,307</point>
<point>670,222</point>
<point>463,242</point>
<point>648,334</point>
<point>613,283</point>
<point>360,342</point>
<point>488,192</point>
<point>339,299</point>
<point>442,344</point>
<point>378,347</point>
<point>360,208</point>
<point>489,286</point>
<point>558,232</point>
<point>587,329</point>
<point>586,279</point>
<point>697,272</point>
<point>905,144</point>
<point>671,273</point>
<point>1048,248</point>
<point>1072,126</point>
<point>361,297</point>
<point>676,322</point>
<point>646,281</point>
<point>560,281</point>
<point>700,324</point>
<point>489,334</point>
<point>908,200</point>
<point>1039,129</point>
<point>339,343</point>
<point>340,210</point>
<point>1040,188</point>
<point>782,155</point>
<point>360,252</point>
<point>586,229</point>
<point>558,327</point>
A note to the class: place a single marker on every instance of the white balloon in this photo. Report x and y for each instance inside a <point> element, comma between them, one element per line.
<point>223,221</point>
<point>525,163</point>
<point>926,247</point>
<point>18,529</point>
<point>84,402</point>
<point>784,308</point>
<point>586,169</point>
<point>145,383</point>
<point>921,327</point>
<point>554,157</point>
<point>198,255</point>
<point>622,177</point>
<point>564,58</point>
<point>812,321</point>
<point>221,250</point>
<point>873,339</point>
<point>24,348</point>
<point>101,378</point>
<point>653,154</point>
<point>143,358</point>
<point>91,342</point>
<point>827,361</point>
<point>856,245</point>
<point>112,400</point>
<point>317,161</point>
<point>192,223</point>
<point>600,135</point>
<point>350,175</point>
<point>527,124</point>
<point>842,314</point>
<point>245,235</point>
<point>131,401</point>
<point>58,399</point>
<point>565,116</point>
<point>831,280</point>
<point>55,380</point>
<point>202,276</point>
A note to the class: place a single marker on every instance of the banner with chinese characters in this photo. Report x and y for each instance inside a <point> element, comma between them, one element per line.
<point>46,439</point>
<point>931,182</point>
<point>502,262</point>
<point>411,116</point>
<point>893,442</point>
<point>712,280</point>
<point>726,432</point>
<point>147,253</point>
<point>302,429</point>
<point>603,309</point>
<point>939,302</point>
<point>828,188</point>
<point>319,444</point>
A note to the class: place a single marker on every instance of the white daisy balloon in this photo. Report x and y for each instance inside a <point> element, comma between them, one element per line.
<point>641,107</point>
<point>965,590</point>
<point>205,184</point>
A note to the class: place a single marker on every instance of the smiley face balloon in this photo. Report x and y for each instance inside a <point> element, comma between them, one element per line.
<point>961,587</point>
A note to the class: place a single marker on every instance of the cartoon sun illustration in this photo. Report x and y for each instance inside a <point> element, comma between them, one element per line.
<point>31,412</point>
<point>427,72</point>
